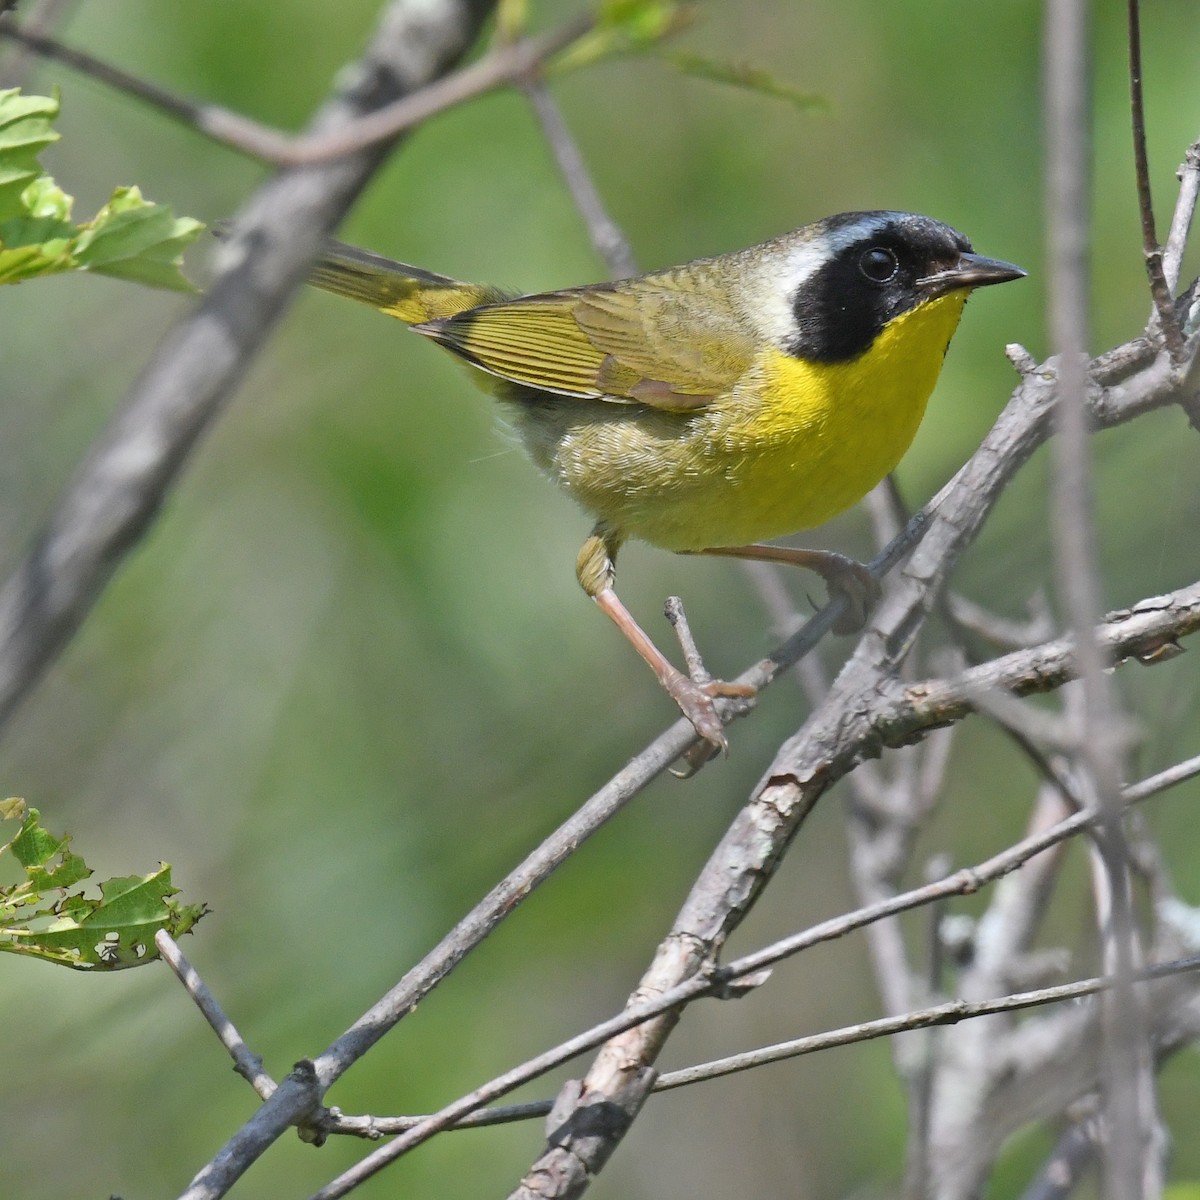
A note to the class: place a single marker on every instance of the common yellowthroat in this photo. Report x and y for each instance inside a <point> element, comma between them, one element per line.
<point>709,406</point>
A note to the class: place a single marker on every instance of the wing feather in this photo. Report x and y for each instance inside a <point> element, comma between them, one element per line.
<point>652,341</point>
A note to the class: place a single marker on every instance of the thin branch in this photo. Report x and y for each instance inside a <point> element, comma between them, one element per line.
<point>1168,778</point>
<point>505,64</point>
<point>1185,210</point>
<point>1002,632</point>
<point>35,41</point>
<point>677,618</point>
<point>606,236</point>
<point>248,1065</point>
<point>1151,251</point>
<point>951,1012</point>
<point>373,1128</point>
<point>1181,224</point>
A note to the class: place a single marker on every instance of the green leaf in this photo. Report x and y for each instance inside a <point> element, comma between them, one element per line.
<point>133,239</point>
<point>24,133</point>
<point>130,237</point>
<point>625,27</point>
<point>745,76</point>
<point>107,932</point>
<point>33,846</point>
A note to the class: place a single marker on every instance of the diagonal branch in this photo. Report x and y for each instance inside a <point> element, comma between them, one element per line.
<point>245,1062</point>
<point>503,65</point>
<point>605,234</point>
<point>952,1012</point>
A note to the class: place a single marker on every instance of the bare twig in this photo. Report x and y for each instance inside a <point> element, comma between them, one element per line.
<point>504,64</point>
<point>673,609</point>
<point>605,234</point>
<point>1185,210</point>
<point>1168,778</point>
<point>937,1015</point>
<point>247,1064</point>
<point>1151,251</point>
<point>372,1128</point>
<point>1002,632</point>
<point>1181,224</point>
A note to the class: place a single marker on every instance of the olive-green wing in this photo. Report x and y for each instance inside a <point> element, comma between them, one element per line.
<point>642,340</point>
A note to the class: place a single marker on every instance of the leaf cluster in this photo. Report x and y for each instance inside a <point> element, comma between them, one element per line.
<point>130,237</point>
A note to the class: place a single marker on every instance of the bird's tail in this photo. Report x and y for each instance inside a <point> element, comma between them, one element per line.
<point>410,294</point>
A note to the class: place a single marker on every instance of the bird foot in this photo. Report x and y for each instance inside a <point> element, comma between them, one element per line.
<point>696,692</point>
<point>696,701</point>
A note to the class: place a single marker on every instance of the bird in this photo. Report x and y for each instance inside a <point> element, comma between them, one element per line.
<point>709,407</point>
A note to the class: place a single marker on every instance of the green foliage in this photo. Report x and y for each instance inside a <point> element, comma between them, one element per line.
<point>626,27</point>
<point>129,237</point>
<point>113,931</point>
<point>743,75</point>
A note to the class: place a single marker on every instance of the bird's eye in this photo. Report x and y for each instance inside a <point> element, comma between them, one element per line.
<point>878,264</point>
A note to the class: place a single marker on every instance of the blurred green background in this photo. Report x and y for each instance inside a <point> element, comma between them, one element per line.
<point>349,680</point>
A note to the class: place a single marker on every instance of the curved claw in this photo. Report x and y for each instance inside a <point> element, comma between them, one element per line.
<point>695,700</point>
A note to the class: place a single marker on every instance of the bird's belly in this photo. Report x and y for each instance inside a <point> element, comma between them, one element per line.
<point>745,468</point>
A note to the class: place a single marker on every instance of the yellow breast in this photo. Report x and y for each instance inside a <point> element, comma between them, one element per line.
<point>793,444</point>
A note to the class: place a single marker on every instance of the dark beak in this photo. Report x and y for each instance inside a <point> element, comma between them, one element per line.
<point>971,271</point>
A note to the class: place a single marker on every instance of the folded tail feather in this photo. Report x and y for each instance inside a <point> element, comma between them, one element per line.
<point>410,294</point>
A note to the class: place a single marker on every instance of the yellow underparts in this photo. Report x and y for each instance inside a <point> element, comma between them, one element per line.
<point>792,445</point>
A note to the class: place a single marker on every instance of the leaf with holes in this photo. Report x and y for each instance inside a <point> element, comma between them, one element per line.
<point>47,914</point>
